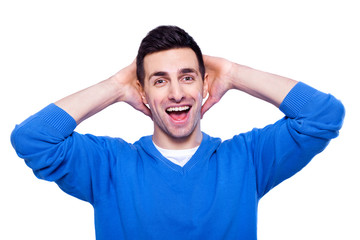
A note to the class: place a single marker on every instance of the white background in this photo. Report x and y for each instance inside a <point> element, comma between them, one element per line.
<point>50,49</point>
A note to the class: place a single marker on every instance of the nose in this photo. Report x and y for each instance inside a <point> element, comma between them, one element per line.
<point>176,92</point>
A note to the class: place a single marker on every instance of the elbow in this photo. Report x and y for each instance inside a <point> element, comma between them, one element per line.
<point>332,119</point>
<point>322,119</point>
<point>15,138</point>
<point>337,113</point>
<point>19,140</point>
<point>26,140</point>
<point>42,156</point>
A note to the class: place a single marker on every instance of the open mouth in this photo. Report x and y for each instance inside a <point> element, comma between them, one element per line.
<point>178,113</point>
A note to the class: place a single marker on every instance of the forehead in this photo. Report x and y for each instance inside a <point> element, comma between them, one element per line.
<point>170,61</point>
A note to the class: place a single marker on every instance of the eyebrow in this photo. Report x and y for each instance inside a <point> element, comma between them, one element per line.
<point>181,71</point>
<point>158,74</point>
<point>188,70</point>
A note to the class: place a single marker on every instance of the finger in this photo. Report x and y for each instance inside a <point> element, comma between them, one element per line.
<point>207,105</point>
<point>145,110</point>
<point>142,108</point>
<point>209,61</point>
<point>207,58</point>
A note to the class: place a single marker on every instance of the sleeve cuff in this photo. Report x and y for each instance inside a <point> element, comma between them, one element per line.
<point>58,118</point>
<point>296,99</point>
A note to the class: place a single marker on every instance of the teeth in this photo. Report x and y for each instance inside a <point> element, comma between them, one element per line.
<point>177,109</point>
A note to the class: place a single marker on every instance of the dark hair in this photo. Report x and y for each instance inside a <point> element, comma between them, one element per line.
<point>166,38</point>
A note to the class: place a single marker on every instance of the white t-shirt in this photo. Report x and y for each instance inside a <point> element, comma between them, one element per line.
<point>179,157</point>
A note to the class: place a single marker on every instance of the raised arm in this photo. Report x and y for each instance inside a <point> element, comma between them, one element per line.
<point>121,87</point>
<point>225,75</point>
<point>55,152</point>
<point>283,148</point>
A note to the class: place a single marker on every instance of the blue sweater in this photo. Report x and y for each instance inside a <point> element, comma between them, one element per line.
<point>138,194</point>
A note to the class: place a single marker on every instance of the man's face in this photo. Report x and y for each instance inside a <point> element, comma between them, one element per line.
<point>174,90</point>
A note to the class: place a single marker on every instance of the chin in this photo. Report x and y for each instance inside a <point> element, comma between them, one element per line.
<point>183,133</point>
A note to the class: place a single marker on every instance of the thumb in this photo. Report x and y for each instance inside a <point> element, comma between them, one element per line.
<point>140,106</point>
<point>211,101</point>
<point>145,110</point>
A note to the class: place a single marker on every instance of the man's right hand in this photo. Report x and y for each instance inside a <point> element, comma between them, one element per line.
<point>121,87</point>
<point>130,88</point>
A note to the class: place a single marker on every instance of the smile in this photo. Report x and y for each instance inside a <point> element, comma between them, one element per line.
<point>178,114</point>
<point>177,109</point>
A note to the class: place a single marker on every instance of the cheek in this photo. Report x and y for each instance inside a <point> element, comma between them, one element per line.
<point>199,92</point>
<point>154,104</point>
<point>198,95</point>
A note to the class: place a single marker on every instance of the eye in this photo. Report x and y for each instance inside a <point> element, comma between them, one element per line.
<point>188,78</point>
<point>159,82</point>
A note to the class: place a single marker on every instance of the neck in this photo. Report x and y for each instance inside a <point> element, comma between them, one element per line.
<point>167,141</point>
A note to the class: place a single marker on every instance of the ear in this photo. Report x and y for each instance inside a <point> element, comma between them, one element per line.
<point>142,92</point>
<point>205,85</point>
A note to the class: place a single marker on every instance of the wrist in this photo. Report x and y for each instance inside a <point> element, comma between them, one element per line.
<point>238,75</point>
<point>115,87</point>
<point>263,85</point>
<point>122,81</point>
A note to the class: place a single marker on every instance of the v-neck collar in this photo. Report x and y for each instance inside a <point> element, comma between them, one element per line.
<point>206,148</point>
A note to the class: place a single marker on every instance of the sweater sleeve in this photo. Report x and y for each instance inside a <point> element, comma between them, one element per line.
<point>50,147</point>
<point>280,150</point>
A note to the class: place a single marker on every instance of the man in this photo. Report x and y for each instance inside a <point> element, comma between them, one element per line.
<point>178,183</point>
